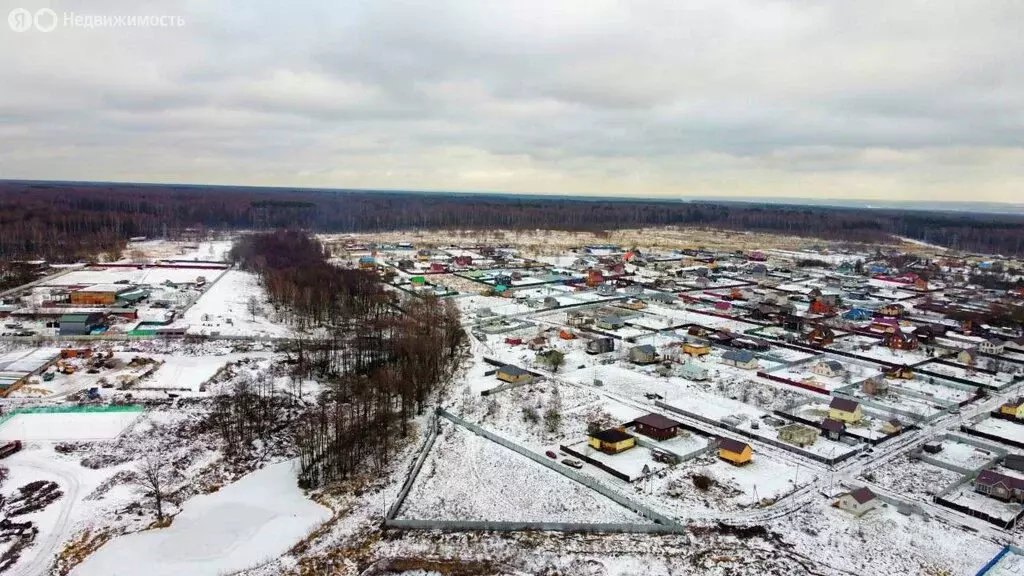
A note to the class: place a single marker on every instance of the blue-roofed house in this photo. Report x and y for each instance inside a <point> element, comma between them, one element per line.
<point>740,359</point>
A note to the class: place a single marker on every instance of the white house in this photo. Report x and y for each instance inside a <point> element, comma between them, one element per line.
<point>992,346</point>
<point>858,502</point>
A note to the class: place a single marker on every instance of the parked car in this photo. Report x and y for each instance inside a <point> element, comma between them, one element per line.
<point>551,455</point>
<point>653,396</point>
<point>572,463</point>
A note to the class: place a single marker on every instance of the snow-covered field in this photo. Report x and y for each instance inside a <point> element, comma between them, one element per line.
<point>240,526</point>
<point>32,427</point>
<point>146,276</point>
<point>467,477</point>
<point>225,309</point>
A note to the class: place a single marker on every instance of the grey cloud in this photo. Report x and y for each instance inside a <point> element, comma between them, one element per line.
<point>586,95</point>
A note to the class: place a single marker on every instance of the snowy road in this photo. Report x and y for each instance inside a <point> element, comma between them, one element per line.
<point>46,547</point>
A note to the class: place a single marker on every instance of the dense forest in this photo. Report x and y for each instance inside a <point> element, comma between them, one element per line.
<point>381,358</point>
<point>63,222</point>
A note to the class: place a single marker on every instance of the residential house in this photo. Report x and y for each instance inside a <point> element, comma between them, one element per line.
<point>513,374</point>
<point>610,323</point>
<point>693,371</point>
<point>734,451</point>
<point>884,325</point>
<point>740,359</point>
<point>844,410</point>
<point>895,310</point>
<point>643,354</point>
<point>1013,408</point>
<point>657,426</point>
<point>900,340</point>
<point>858,502</point>
<point>611,441</point>
<point>821,336</point>
<point>928,333</point>
<point>696,348</point>
<point>829,369</point>
<point>819,306</point>
<point>1001,486</point>
<point>537,342</point>
<point>892,426</point>
<point>875,387</point>
<point>798,435</point>
<point>600,345</point>
<point>902,372</point>
<point>992,346</point>
<point>856,314</point>
<point>832,429</point>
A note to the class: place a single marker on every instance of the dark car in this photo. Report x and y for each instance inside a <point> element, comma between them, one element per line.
<point>551,455</point>
<point>653,396</point>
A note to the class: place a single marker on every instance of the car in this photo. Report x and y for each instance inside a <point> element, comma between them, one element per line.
<point>653,396</point>
<point>572,463</point>
<point>551,455</point>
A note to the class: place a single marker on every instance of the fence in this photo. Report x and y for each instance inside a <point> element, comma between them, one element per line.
<point>496,526</point>
<point>992,437</point>
<point>428,443</point>
<point>596,463</point>
<point>765,439</point>
<point>587,481</point>
<point>70,410</point>
<point>995,560</point>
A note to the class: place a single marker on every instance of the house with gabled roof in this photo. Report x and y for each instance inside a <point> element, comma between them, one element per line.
<point>1001,486</point>
<point>656,426</point>
<point>844,410</point>
<point>734,451</point>
<point>858,502</point>
<point>740,359</point>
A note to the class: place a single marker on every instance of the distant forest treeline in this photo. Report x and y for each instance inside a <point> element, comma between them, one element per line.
<point>63,222</point>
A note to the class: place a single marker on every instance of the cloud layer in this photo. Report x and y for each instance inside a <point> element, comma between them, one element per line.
<point>915,100</point>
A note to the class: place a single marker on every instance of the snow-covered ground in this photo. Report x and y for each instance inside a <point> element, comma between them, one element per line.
<point>468,477</point>
<point>225,309</point>
<point>1001,428</point>
<point>55,426</point>
<point>240,526</point>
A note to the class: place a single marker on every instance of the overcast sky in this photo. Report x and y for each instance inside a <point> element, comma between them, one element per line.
<point>898,100</point>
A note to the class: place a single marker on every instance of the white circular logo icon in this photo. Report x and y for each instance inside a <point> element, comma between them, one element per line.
<point>21,19</point>
<point>45,20</point>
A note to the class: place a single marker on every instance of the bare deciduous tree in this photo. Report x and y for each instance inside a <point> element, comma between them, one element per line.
<point>151,478</point>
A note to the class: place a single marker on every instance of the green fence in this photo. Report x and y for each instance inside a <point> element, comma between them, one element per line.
<point>70,410</point>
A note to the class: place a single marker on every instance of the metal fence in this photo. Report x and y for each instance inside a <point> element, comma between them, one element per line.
<point>581,478</point>
<point>428,443</point>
